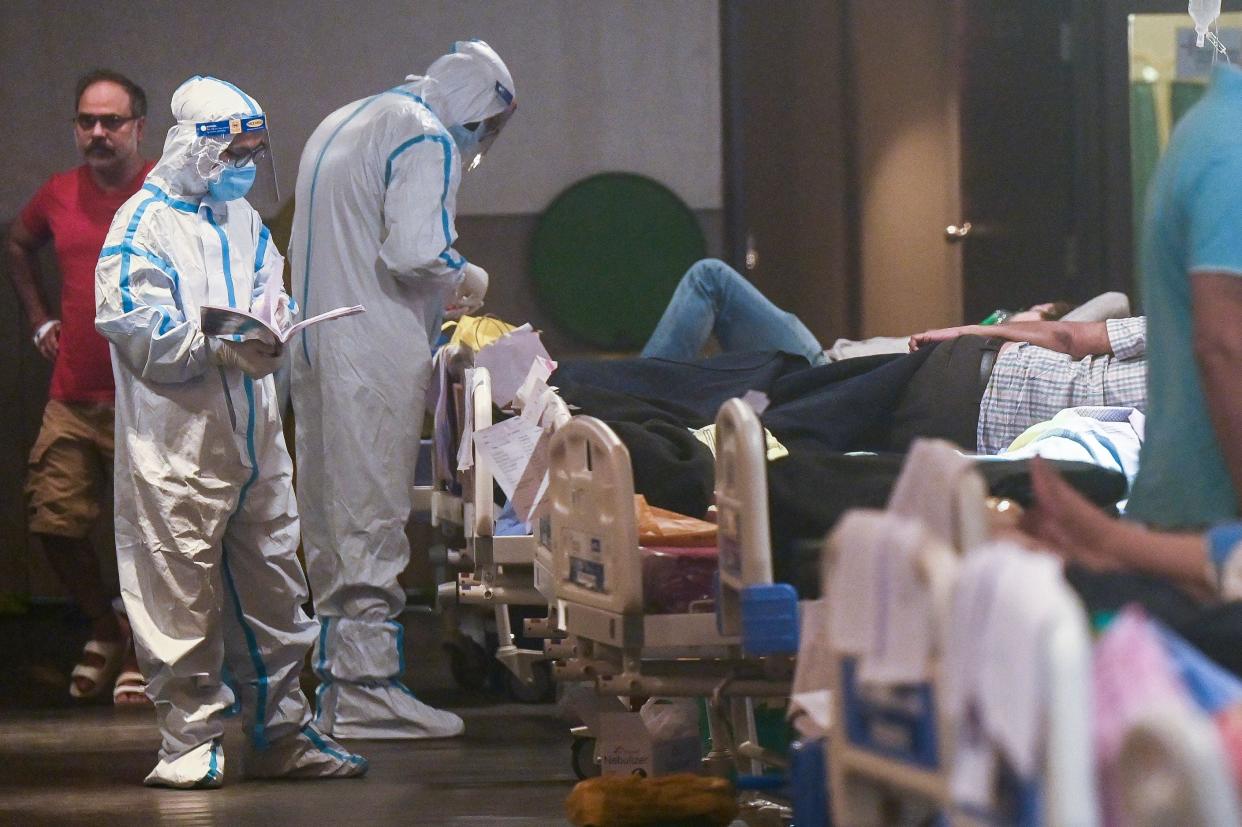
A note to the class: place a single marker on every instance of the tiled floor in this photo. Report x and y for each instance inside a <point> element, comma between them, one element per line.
<point>67,764</point>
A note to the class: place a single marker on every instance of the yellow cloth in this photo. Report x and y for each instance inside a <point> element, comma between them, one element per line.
<point>476,331</point>
<point>774,449</point>
<point>631,801</point>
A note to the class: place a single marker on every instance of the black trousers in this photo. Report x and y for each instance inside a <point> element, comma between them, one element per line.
<point>942,399</point>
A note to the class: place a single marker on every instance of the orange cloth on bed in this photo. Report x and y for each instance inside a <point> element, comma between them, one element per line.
<point>660,527</point>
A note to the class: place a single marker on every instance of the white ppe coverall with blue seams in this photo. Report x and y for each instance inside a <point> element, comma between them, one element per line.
<point>206,521</point>
<point>376,196</point>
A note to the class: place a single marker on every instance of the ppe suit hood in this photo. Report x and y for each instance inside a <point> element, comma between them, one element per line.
<point>190,161</point>
<point>460,87</point>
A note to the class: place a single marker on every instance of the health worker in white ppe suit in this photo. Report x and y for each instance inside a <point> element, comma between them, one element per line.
<point>376,196</point>
<point>206,521</point>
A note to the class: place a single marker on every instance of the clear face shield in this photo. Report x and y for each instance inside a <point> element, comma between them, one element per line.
<point>475,143</point>
<point>243,166</point>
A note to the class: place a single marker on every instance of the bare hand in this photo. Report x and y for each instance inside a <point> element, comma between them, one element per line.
<point>943,334</point>
<point>1068,523</point>
<point>49,343</point>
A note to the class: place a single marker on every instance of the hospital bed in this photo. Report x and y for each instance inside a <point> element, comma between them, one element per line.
<point>892,747</point>
<point>1173,770</point>
<point>889,747</point>
<point>624,634</point>
<point>500,573</point>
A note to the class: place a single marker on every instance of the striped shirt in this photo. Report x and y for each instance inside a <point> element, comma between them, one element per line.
<point>1031,384</point>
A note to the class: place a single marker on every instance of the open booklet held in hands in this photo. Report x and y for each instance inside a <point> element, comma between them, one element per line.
<point>268,319</point>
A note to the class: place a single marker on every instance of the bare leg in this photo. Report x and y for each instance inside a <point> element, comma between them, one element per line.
<point>75,563</point>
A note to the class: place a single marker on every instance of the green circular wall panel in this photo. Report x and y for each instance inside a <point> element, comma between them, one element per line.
<point>607,255</point>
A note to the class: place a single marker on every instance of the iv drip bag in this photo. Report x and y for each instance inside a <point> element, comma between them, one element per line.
<point>1204,13</point>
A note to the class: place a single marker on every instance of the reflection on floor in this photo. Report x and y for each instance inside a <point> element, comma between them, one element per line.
<point>61,763</point>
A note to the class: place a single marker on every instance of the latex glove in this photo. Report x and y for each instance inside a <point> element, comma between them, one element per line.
<point>282,317</point>
<point>252,357</point>
<point>47,339</point>
<point>468,297</point>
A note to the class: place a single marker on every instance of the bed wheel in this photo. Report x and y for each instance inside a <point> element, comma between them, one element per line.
<point>469,663</point>
<point>542,691</point>
<point>582,757</point>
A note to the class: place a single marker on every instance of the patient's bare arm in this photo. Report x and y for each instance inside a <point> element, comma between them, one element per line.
<point>1077,339</point>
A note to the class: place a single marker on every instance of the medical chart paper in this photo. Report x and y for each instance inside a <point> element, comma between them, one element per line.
<point>507,447</point>
<point>509,359</point>
<point>465,456</point>
<point>230,321</point>
<point>534,481</point>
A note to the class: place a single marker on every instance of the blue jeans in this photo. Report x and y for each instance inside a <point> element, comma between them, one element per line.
<point>714,299</point>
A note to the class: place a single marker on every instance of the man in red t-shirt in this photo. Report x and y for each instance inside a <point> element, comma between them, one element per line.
<point>71,462</point>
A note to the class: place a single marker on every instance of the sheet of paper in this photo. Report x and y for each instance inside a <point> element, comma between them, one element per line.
<point>507,447</point>
<point>322,317</point>
<point>540,397</point>
<point>465,456</point>
<point>534,480</point>
<point>536,379</point>
<point>509,359</point>
<point>556,413</point>
<point>233,322</point>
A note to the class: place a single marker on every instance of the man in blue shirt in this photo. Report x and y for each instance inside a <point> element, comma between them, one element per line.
<point>1190,471</point>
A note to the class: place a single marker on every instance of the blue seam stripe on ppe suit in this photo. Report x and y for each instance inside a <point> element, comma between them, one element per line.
<point>396,624</point>
<point>258,736</point>
<point>224,255</point>
<point>213,769</point>
<point>165,267</point>
<point>176,204</point>
<point>321,744</point>
<point>324,678</point>
<point>448,171</point>
<point>127,299</point>
<point>443,140</point>
<point>310,223</point>
<point>310,209</point>
<point>265,236</point>
<point>252,643</point>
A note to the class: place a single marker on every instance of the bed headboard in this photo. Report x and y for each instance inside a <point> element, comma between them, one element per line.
<point>742,509</point>
<point>594,532</point>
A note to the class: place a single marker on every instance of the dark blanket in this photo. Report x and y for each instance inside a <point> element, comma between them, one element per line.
<point>818,413</point>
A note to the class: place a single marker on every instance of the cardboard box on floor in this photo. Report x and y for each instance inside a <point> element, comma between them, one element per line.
<point>626,747</point>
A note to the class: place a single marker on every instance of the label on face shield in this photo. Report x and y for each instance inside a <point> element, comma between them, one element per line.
<point>231,126</point>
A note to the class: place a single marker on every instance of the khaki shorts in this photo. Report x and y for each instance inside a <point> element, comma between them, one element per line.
<point>70,467</point>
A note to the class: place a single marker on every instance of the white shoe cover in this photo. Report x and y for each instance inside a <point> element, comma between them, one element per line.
<point>381,711</point>
<point>305,754</point>
<point>201,768</point>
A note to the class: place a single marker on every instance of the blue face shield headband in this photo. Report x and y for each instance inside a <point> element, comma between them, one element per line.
<point>244,167</point>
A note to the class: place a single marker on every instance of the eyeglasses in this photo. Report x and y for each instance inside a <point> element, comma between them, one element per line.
<point>240,157</point>
<point>109,122</point>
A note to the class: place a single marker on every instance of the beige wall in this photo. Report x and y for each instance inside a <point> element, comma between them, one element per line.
<point>906,147</point>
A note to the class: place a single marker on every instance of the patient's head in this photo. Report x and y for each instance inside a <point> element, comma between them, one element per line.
<point>1048,311</point>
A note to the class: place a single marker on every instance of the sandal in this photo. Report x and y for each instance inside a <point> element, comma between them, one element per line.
<point>110,652</point>
<point>130,690</point>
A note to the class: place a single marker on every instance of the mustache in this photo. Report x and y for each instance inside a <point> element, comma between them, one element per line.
<point>99,145</point>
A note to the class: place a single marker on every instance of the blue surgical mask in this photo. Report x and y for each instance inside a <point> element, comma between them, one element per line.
<point>466,139</point>
<point>233,183</point>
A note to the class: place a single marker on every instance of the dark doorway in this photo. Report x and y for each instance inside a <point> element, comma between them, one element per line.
<point>789,199</point>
